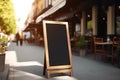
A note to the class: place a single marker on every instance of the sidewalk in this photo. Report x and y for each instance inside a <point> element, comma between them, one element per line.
<point>27,64</point>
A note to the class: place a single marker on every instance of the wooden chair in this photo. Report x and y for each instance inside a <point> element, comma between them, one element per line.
<point>89,40</point>
<point>116,42</point>
<point>99,48</point>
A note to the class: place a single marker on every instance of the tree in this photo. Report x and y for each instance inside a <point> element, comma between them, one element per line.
<point>7,17</point>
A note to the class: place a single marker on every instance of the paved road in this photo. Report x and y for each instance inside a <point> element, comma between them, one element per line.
<point>27,64</point>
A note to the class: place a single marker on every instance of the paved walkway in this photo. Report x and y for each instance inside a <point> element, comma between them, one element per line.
<point>27,64</point>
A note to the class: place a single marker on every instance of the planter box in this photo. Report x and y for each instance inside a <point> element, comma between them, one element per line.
<point>82,52</point>
<point>2,62</point>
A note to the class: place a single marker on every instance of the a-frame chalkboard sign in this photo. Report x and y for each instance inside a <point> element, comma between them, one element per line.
<point>58,57</point>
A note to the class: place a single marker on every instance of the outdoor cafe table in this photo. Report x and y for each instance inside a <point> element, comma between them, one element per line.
<point>104,43</point>
<point>108,47</point>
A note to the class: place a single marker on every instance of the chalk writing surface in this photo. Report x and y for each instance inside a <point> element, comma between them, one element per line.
<point>57,44</point>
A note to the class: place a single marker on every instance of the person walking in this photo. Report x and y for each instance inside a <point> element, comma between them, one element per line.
<point>21,38</point>
<point>17,38</point>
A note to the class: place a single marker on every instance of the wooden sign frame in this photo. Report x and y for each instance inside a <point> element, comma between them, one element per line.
<point>63,68</point>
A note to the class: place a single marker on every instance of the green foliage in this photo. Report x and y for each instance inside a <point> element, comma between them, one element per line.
<point>117,51</point>
<point>89,24</point>
<point>3,40</point>
<point>118,27</point>
<point>7,18</point>
<point>81,43</point>
<point>118,23</point>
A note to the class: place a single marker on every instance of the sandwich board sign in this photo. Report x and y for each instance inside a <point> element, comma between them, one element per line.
<point>58,57</point>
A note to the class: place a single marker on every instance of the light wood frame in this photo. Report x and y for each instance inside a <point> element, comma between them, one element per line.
<point>58,68</point>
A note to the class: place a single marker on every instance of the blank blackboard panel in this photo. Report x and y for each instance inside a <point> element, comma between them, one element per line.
<point>57,44</point>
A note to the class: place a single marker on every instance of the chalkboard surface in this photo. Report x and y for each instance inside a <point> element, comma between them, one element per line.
<point>57,44</point>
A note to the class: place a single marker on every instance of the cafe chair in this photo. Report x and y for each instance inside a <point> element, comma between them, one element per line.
<point>89,46</point>
<point>116,42</point>
<point>99,48</point>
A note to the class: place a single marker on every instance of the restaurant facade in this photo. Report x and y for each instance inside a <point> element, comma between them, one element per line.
<point>102,17</point>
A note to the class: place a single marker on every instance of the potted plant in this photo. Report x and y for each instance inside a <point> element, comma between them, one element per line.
<point>3,46</point>
<point>3,40</point>
<point>117,52</point>
<point>81,44</point>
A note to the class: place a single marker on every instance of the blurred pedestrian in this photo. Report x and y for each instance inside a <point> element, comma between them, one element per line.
<point>21,38</point>
<point>17,38</point>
